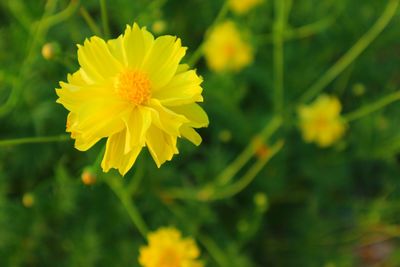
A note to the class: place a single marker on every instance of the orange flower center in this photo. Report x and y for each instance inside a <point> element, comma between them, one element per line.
<point>321,123</point>
<point>169,258</point>
<point>133,86</point>
<point>229,49</point>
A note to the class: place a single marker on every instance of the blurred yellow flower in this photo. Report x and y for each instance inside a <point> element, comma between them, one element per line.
<point>167,248</point>
<point>133,91</point>
<point>28,200</point>
<point>225,50</point>
<point>240,7</point>
<point>320,122</point>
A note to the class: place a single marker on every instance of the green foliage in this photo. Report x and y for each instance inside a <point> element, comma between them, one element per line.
<point>323,206</point>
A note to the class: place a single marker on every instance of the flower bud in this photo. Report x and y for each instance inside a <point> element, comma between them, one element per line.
<point>88,177</point>
<point>28,200</point>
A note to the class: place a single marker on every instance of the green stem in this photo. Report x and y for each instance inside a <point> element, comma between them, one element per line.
<point>242,183</point>
<point>300,32</point>
<point>198,53</point>
<point>309,29</point>
<point>353,53</point>
<point>104,19</point>
<point>216,253</point>
<point>370,108</point>
<point>278,54</point>
<point>134,183</point>
<point>62,15</point>
<point>230,171</point>
<point>133,212</point>
<point>38,32</point>
<point>90,21</point>
<point>33,140</point>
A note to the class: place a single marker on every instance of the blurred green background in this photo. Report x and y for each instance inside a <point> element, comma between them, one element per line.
<point>338,206</point>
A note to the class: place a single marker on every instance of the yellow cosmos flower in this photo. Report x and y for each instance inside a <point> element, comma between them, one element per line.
<point>241,7</point>
<point>133,91</point>
<point>225,50</point>
<point>167,248</point>
<point>321,122</point>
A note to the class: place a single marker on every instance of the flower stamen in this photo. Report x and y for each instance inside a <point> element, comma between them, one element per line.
<point>133,86</point>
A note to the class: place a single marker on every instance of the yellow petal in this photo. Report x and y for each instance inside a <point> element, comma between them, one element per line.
<point>81,143</point>
<point>161,145</point>
<point>194,113</point>
<point>101,119</point>
<point>163,60</point>
<point>184,88</point>
<point>166,119</point>
<point>115,157</point>
<point>190,134</point>
<point>137,124</point>
<point>96,60</point>
<point>182,68</point>
<point>76,93</point>
<point>84,143</point>
<point>137,44</point>
<point>117,49</point>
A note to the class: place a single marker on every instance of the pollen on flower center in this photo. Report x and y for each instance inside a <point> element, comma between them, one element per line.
<point>169,258</point>
<point>133,86</point>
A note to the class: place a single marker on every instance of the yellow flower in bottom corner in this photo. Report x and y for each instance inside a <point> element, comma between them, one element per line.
<point>133,91</point>
<point>320,122</point>
<point>225,50</point>
<point>242,6</point>
<point>167,248</point>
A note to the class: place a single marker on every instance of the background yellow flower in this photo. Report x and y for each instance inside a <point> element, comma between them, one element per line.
<point>133,91</point>
<point>242,6</point>
<point>320,122</point>
<point>167,248</point>
<point>225,49</point>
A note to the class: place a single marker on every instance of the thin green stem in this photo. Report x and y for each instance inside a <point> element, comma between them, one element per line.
<point>104,19</point>
<point>198,53</point>
<point>133,212</point>
<point>230,171</point>
<point>300,32</point>
<point>278,54</point>
<point>242,183</point>
<point>208,191</point>
<point>90,21</point>
<point>216,253</point>
<point>354,52</point>
<point>195,57</point>
<point>35,140</point>
<point>309,29</point>
<point>97,163</point>
<point>372,107</point>
<point>38,32</point>
<point>62,15</point>
<point>137,178</point>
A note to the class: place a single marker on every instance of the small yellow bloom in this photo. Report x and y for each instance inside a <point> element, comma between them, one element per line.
<point>159,26</point>
<point>28,200</point>
<point>167,248</point>
<point>320,122</point>
<point>225,50</point>
<point>133,91</point>
<point>241,7</point>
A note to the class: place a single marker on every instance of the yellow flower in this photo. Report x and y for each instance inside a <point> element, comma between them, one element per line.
<point>240,7</point>
<point>225,50</point>
<point>320,122</point>
<point>133,91</point>
<point>167,248</point>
